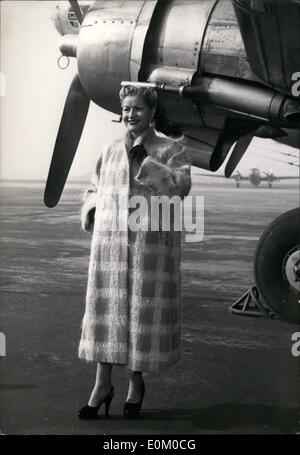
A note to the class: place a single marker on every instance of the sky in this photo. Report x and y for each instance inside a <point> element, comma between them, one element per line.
<point>35,92</point>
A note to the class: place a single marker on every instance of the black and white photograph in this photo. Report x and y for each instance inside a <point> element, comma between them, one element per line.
<point>150,220</point>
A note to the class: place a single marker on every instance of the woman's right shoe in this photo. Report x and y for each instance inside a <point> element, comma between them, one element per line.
<point>132,410</point>
<point>91,412</point>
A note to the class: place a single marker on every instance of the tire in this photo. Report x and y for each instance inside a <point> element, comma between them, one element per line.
<point>277,251</point>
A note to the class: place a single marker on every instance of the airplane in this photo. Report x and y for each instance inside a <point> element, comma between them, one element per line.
<point>256,177</point>
<point>225,71</point>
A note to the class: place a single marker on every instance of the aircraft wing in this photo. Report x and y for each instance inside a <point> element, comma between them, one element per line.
<point>235,176</point>
<point>287,177</point>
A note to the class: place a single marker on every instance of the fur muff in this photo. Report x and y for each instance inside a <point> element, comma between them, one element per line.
<point>133,306</point>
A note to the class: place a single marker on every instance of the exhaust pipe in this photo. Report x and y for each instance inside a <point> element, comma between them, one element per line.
<point>257,103</point>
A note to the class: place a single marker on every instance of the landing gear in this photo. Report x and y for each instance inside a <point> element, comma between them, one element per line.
<point>277,266</point>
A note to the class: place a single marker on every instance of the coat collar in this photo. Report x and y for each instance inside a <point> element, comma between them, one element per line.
<point>146,138</point>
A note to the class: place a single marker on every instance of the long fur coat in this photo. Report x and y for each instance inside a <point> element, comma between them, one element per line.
<point>133,307</point>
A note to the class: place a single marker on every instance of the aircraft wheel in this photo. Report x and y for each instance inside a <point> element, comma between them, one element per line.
<point>277,266</point>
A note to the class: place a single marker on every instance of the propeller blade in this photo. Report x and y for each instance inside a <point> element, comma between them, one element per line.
<point>68,137</point>
<point>77,10</point>
<point>237,153</point>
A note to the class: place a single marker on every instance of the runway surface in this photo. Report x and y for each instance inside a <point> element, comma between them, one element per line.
<point>236,375</point>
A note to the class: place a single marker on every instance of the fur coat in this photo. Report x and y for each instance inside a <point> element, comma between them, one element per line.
<point>133,308</point>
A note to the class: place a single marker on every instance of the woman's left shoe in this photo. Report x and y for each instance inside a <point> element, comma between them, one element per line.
<point>132,410</point>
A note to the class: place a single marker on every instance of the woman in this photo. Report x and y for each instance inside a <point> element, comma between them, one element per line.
<point>132,314</point>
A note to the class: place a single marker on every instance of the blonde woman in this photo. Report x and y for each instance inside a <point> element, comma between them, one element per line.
<point>133,309</point>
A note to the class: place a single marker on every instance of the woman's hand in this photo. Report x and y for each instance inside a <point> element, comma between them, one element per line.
<point>155,176</point>
<point>87,220</point>
<point>170,179</point>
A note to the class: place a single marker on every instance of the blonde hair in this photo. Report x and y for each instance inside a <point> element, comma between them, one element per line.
<point>148,93</point>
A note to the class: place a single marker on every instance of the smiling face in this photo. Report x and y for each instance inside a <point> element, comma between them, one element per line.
<point>136,114</point>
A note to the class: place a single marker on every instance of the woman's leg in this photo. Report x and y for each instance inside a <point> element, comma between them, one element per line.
<point>135,387</point>
<point>102,384</point>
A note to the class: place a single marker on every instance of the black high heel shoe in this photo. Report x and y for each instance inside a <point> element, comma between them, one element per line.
<point>132,410</point>
<point>91,412</point>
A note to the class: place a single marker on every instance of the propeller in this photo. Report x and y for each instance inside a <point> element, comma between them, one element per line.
<point>237,153</point>
<point>77,10</point>
<point>68,137</point>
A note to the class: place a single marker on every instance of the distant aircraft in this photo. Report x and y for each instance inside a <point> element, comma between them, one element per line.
<point>256,177</point>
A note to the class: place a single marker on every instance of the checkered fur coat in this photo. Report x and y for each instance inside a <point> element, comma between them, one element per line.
<point>133,309</point>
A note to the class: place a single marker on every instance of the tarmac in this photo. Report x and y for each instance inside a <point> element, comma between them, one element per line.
<point>237,373</point>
